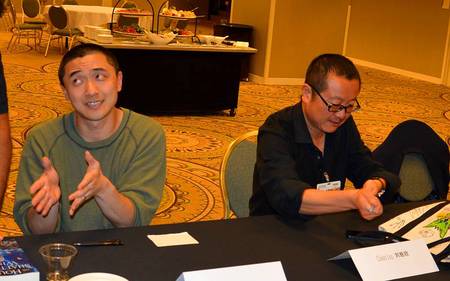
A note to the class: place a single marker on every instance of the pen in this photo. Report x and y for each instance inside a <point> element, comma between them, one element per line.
<point>99,243</point>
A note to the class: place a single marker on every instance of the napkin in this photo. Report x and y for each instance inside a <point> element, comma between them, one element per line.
<point>172,239</point>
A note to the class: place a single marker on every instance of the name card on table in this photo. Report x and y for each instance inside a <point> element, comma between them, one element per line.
<point>268,271</point>
<point>392,261</point>
<point>172,239</point>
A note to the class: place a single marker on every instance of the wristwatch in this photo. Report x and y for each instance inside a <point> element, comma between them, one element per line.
<point>383,185</point>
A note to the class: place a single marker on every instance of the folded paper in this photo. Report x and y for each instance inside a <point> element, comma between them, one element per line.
<point>268,271</point>
<point>172,239</point>
<point>392,261</point>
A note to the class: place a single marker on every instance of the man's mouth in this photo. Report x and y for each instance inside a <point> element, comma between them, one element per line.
<point>94,104</point>
<point>336,122</point>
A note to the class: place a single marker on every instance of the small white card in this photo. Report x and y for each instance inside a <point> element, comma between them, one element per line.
<point>172,239</point>
<point>241,44</point>
<point>332,185</point>
<point>392,261</point>
<point>268,271</point>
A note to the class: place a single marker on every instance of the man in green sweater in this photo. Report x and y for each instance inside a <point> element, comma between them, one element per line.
<point>97,167</point>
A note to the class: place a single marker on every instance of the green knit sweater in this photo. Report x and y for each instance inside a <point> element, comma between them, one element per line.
<point>133,159</point>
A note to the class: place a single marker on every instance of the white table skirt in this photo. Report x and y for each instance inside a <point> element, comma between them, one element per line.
<point>81,15</point>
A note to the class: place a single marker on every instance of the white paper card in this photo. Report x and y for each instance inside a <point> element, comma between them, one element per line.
<point>392,261</point>
<point>241,44</point>
<point>269,271</point>
<point>172,239</point>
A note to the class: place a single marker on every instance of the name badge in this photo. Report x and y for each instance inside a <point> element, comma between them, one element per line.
<point>331,185</point>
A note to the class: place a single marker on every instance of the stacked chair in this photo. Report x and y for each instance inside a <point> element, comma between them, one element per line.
<point>59,28</point>
<point>24,30</point>
<point>31,12</point>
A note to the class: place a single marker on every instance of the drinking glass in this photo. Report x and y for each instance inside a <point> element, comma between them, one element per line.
<point>57,256</point>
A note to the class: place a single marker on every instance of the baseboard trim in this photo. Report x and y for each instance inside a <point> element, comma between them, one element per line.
<point>415,75</point>
<point>275,81</point>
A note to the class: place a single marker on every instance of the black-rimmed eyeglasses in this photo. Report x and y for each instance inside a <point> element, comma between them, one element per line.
<point>338,107</point>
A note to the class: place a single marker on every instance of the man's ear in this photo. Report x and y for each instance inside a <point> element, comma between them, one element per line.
<point>119,81</point>
<point>64,91</point>
<point>306,92</point>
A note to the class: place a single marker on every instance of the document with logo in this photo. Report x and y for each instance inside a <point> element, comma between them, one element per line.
<point>432,228</point>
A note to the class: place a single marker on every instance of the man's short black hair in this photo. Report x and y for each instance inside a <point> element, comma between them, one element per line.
<point>84,50</point>
<point>321,66</point>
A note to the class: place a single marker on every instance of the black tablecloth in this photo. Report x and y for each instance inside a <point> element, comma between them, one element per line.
<point>303,247</point>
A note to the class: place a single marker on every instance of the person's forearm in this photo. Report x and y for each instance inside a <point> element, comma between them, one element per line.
<point>5,153</point>
<point>116,207</point>
<point>317,202</point>
<point>39,224</point>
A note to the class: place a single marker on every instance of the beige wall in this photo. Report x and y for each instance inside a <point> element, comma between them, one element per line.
<point>404,34</point>
<point>256,14</point>
<point>302,30</point>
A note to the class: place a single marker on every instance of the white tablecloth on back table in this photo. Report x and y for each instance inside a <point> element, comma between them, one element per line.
<point>81,15</point>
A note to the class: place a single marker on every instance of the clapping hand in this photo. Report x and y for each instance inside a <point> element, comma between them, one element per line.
<point>46,191</point>
<point>90,186</point>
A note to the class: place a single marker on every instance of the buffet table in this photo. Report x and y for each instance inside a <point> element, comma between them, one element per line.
<point>303,247</point>
<point>178,77</point>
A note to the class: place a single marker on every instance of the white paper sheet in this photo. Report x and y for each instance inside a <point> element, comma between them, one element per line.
<point>268,271</point>
<point>172,239</point>
<point>427,230</point>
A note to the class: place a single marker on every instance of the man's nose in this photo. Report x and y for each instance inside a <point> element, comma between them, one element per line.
<point>91,87</point>
<point>341,114</point>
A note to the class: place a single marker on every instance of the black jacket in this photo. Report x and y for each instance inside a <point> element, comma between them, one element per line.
<point>413,136</point>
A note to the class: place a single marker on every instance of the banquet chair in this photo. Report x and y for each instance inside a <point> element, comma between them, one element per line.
<point>22,30</point>
<point>6,18</point>
<point>417,183</point>
<point>31,12</point>
<point>236,174</point>
<point>59,29</point>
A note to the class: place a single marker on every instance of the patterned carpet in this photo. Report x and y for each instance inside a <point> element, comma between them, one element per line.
<point>196,144</point>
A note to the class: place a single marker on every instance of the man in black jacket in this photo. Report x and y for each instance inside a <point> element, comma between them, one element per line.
<point>307,151</point>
